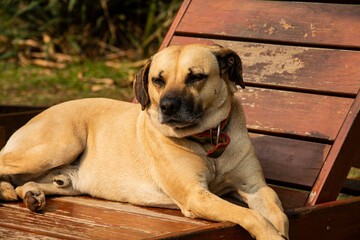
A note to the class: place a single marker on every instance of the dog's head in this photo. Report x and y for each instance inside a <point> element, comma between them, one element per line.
<point>188,89</point>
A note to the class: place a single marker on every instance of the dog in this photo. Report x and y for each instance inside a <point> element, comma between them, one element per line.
<point>186,146</point>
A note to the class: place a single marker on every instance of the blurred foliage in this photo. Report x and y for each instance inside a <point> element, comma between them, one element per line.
<point>39,86</point>
<point>83,28</point>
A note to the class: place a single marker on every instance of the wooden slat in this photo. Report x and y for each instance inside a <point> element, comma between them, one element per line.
<point>292,113</point>
<point>329,221</point>
<point>64,227</point>
<point>343,153</point>
<point>84,218</point>
<point>225,230</point>
<point>299,68</point>
<point>295,22</point>
<point>173,215</point>
<point>290,161</point>
<point>14,234</point>
<point>291,198</point>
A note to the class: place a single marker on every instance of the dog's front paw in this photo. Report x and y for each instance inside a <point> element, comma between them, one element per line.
<point>7,192</point>
<point>271,234</point>
<point>35,202</point>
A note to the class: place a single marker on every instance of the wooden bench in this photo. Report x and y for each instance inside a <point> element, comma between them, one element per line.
<point>302,101</point>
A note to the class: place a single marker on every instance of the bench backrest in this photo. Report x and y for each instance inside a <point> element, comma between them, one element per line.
<point>301,65</point>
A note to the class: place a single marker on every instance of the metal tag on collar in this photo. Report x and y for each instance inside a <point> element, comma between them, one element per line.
<point>217,135</point>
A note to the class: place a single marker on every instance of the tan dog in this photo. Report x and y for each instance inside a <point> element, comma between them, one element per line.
<point>113,150</point>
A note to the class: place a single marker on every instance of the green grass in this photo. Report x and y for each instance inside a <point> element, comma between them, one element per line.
<point>38,86</point>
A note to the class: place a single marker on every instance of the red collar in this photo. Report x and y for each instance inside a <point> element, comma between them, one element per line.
<point>215,136</point>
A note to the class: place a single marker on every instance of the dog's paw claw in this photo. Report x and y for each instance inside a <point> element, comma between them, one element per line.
<point>34,202</point>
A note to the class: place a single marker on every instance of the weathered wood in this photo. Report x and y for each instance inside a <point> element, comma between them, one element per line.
<point>277,21</point>
<point>294,114</point>
<point>15,234</point>
<point>301,112</point>
<point>215,231</point>
<point>291,198</point>
<point>289,161</point>
<point>341,156</point>
<point>328,221</point>
<point>84,218</point>
<point>326,71</point>
<point>173,215</point>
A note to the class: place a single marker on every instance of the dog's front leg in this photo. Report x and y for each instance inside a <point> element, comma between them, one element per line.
<point>203,204</point>
<point>264,200</point>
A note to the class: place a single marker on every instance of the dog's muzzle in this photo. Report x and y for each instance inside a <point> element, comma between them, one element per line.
<point>178,112</point>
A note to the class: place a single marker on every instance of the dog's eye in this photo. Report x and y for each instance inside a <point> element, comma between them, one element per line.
<point>191,78</point>
<point>158,81</point>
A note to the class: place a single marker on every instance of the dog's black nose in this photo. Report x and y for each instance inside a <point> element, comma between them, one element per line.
<point>169,105</point>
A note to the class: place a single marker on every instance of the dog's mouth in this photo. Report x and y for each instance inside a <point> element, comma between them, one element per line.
<point>180,124</point>
<point>180,121</point>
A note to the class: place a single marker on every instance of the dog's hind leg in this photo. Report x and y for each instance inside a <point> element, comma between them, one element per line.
<point>7,191</point>
<point>31,152</point>
<point>55,183</point>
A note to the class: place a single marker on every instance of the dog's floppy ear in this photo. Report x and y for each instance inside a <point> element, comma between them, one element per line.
<point>230,64</point>
<point>141,85</point>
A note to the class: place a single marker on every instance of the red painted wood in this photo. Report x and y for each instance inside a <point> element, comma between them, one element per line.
<point>13,234</point>
<point>292,113</point>
<point>343,153</point>
<point>329,221</point>
<point>289,161</point>
<point>291,198</point>
<point>282,21</point>
<point>298,68</point>
<point>225,230</point>
<point>73,220</point>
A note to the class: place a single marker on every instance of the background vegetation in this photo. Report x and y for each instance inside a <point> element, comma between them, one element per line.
<point>55,50</point>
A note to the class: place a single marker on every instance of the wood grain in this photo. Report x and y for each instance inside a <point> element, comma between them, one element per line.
<point>291,198</point>
<point>344,152</point>
<point>288,161</point>
<point>326,71</point>
<point>84,218</point>
<point>295,114</point>
<point>329,221</point>
<point>282,21</point>
<point>14,234</point>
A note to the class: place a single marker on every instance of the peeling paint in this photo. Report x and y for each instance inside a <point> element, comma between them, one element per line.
<point>311,197</point>
<point>312,28</point>
<point>265,61</point>
<point>270,30</point>
<point>285,25</point>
